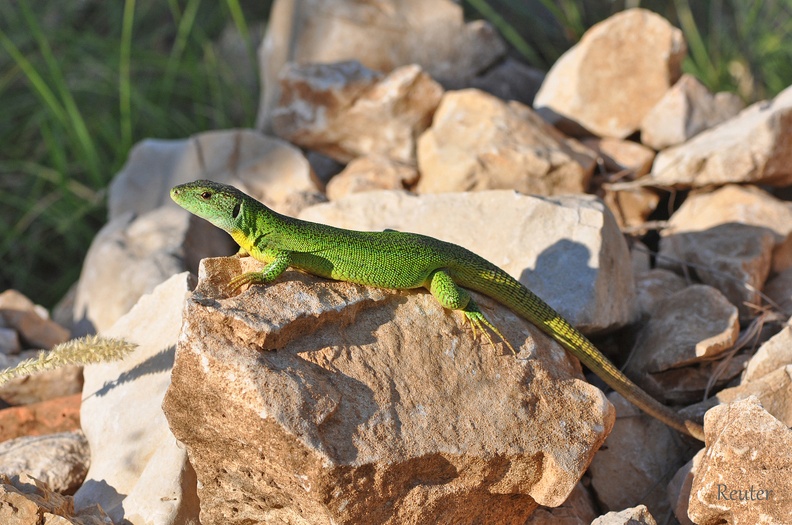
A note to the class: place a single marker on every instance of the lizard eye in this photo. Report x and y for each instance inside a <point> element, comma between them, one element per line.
<point>206,195</point>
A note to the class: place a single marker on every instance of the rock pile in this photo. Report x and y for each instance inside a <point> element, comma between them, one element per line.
<point>310,401</point>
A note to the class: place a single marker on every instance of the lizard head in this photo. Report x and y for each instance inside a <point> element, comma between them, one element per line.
<point>218,203</point>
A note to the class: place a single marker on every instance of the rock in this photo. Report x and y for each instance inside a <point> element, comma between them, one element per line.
<point>478,142</point>
<point>60,414</point>
<point>27,501</point>
<point>631,206</point>
<point>33,324</point>
<point>130,256</point>
<point>772,355</point>
<point>638,453</point>
<point>381,36</point>
<point>622,155</point>
<point>679,488</point>
<point>654,286</point>
<point>751,148</point>
<point>319,401</point>
<point>273,170</point>
<point>568,250</point>
<point>633,516</point>
<point>9,341</point>
<point>578,509</point>
<point>346,110</point>
<point>510,80</point>
<point>689,327</point>
<point>686,109</point>
<point>613,77</point>
<point>371,173</point>
<point>745,476</point>
<point>139,472</point>
<point>63,381</point>
<point>59,460</point>
<point>778,290</point>
<point>735,258</point>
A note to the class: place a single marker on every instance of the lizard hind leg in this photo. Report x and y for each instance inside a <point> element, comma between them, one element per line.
<point>451,296</point>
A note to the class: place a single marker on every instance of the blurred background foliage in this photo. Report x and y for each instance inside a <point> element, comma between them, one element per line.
<point>82,81</point>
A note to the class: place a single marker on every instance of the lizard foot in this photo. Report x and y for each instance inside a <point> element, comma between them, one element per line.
<point>478,320</point>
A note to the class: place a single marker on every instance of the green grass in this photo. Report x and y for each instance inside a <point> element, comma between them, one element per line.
<point>81,82</point>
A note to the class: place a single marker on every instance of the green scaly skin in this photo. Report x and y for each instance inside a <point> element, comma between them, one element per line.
<point>401,261</point>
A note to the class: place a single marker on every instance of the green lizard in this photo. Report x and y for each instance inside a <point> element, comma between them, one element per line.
<point>397,260</point>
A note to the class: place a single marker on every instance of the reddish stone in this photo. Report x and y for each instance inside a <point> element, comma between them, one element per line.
<point>60,414</point>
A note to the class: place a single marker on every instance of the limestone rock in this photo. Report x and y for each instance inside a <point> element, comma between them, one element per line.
<point>478,142</point>
<point>745,476</point>
<point>28,501</point>
<point>613,77</point>
<point>735,258</point>
<point>638,452</point>
<point>60,414</point>
<point>633,516</point>
<point>9,341</point>
<point>778,289</point>
<point>753,148</point>
<point>510,80</point>
<point>345,110</point>
<point>578,509</point>
<point>568,250</point>
<point>691,326</point>
<point>382,36</point>
<point>654,286</point>
<point>139,472</point>
<point>686,109</point>
<point>631,207</point>
<point>32,323</point>
<point>371,173</point>
<point>271,169</point>
<point>36,388</point>
<point>315,401</point>
<point>59,460</point>
<point>679,488</point>
<point>625,156</point>
<point>772,355</point>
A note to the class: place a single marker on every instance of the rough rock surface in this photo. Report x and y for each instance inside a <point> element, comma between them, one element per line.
<point>689,327</point>
<point>745,476</point>
<point>138,470</point>
<point>27,501</point>
<point>345,110</point>
<point>30,321</point>
<point>639,515</point>
<point>568,250</point>
<point>36,388</point>
<point>371,173</point>
<point>511,80</point>
<point>775,353</point>
<point>578,509</point>
<point>613,77</point>
<point>686,109</point>
<point>318,401</point>
<point>654,286</point>
<point>479,142</point>
<point>382,36</point>
<point>626,157</point>
<point>755,147</point>
<point>59,414</point>
<point>59,460</point>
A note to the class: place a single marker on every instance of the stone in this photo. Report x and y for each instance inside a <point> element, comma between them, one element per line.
<point>654,286</point>
<point>381,36</point>
<point>510,79</point>
<point>24,390</point>
<point>60,414</point>
<point>371,173</point>
<point>131,255</point>
<point>689,327</point>
<point>679,488</point>
<point>9,341</point>
<point>745,476</point>
<point>35,328</point>
<point>778,291</point>
<point>478,142</point>
<point>639,515</point>
<point>735,258</point>
<point>752,148</point>
<point>613,77</point>
<point>139,472</point>
<point>624,157</point>
<point>27,501</point>
<point>317,401</point>
<point>686,109</point>
<point>567,250</point>
<point>271,169</point>
<point>59,460</point>
<point>772,355</point>
<point>638,452</point>
<point>346,110</point>
<point>631,206</point>
<point>578,509</point>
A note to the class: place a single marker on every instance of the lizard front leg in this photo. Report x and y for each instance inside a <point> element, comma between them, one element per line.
<point>279,262</point>
<point>451,296</point>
